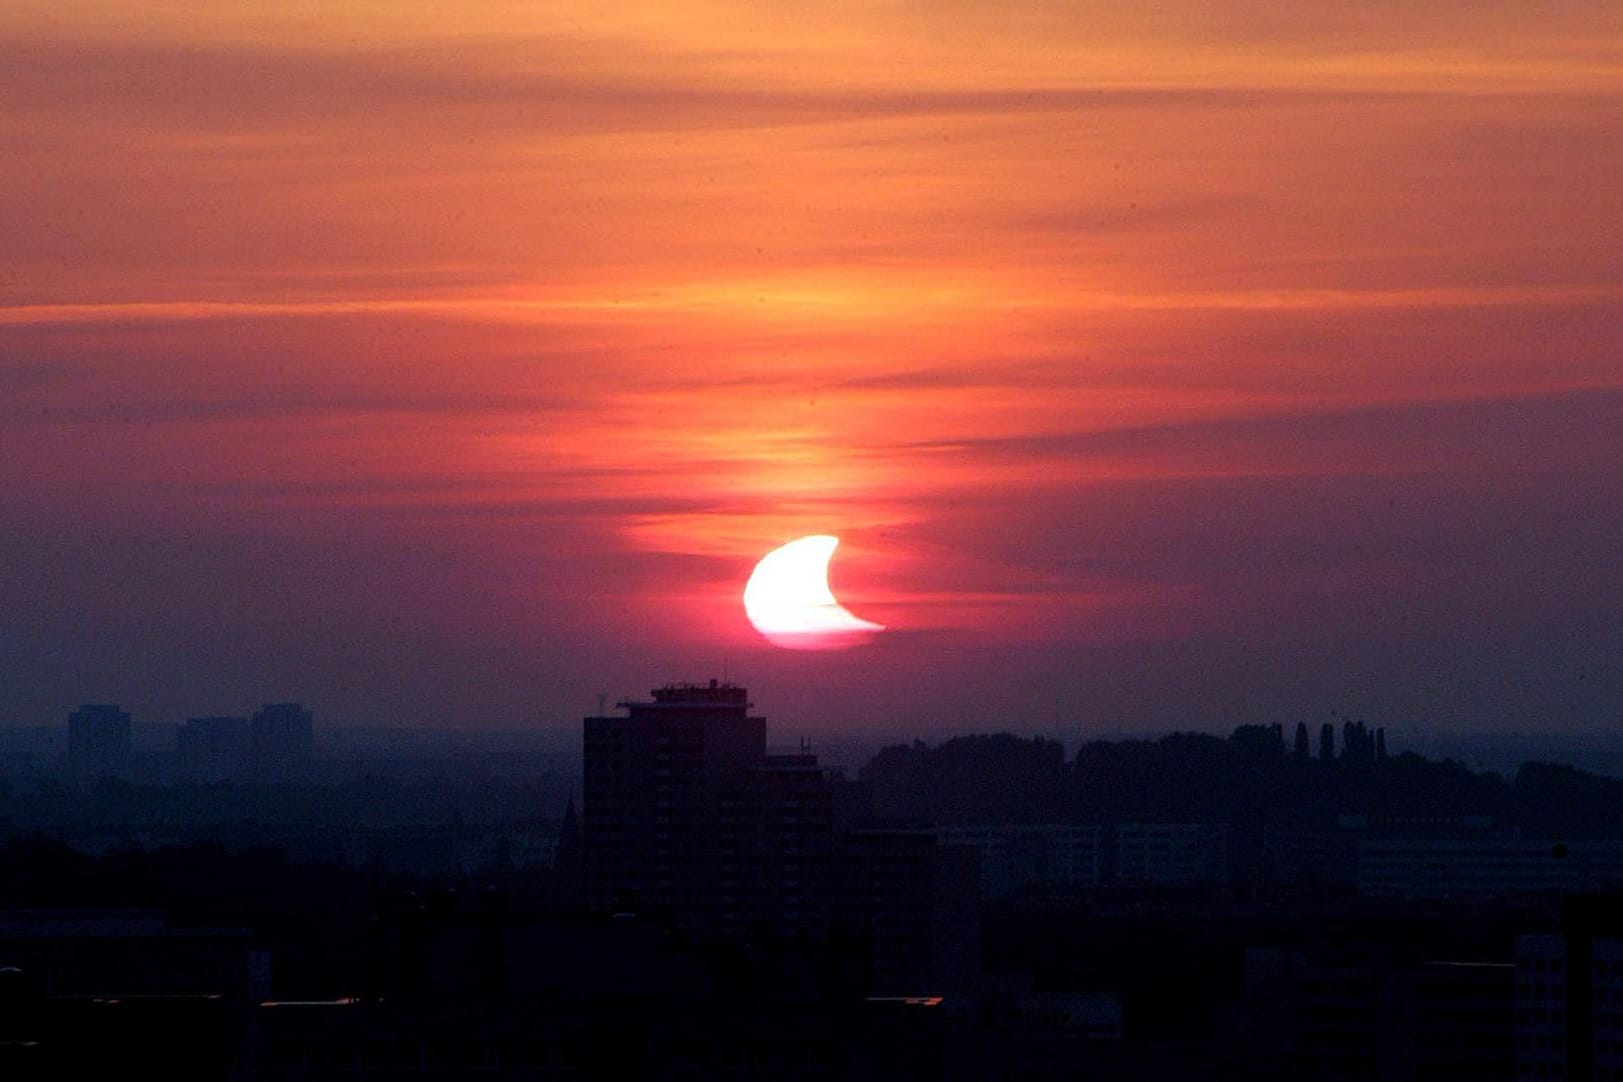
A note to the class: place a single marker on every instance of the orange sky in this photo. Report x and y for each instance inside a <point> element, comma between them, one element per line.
<point>1121,347</point>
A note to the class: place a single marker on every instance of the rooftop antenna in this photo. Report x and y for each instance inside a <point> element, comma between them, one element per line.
<point>725,678</point>
<point>602,704</point>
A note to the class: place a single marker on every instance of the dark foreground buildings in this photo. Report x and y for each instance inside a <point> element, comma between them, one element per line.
<point>717,911</point>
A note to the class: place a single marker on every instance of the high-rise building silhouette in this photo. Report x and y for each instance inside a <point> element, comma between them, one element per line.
<point>917,901</point>
<point>685,814</point>
<point>687,818</point>
<point>98,743</point>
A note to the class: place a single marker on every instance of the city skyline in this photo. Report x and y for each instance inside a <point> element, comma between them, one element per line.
<point>1185,367</point>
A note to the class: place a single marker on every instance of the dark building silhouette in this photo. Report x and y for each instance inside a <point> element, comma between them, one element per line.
<point>281,742</point>
<point>1327,742</point>
<point>918,901</point>
<point>778,846</point>
<point>686,814</point>
<point>1365,1010</point>
<point>568,859</point>
<point>98,743</point>
<point>212,749</point>
<point>654,785</point>
<point>686,817</point>
<point>1569,984</point>
<point>1302,749</point>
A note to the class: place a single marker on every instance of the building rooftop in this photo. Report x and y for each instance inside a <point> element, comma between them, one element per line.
<point>714,693</point>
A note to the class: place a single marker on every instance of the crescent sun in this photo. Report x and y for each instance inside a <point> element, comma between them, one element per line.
<point>789,602</point>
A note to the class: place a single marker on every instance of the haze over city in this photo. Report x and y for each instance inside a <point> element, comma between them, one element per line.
<point>1163,368</point>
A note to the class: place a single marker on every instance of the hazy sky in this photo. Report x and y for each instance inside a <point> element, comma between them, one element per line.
<point>1162,368</point>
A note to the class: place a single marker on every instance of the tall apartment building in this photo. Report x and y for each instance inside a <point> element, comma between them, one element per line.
<point>686,816</point>
<point>778,847</point>
<point>679,799</point>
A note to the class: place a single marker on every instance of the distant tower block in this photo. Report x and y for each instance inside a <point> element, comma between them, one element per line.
<point>98,743</point>
<point>281,742</point>
<point>1327,742</point>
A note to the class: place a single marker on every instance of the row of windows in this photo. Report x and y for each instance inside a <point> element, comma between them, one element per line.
<point>1539,990</point>
<point>1534,1016</point>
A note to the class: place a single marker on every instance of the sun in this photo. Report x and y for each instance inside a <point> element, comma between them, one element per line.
<point>789,602</point>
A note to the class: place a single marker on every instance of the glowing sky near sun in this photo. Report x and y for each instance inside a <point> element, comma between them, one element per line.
<point>1173,364</point>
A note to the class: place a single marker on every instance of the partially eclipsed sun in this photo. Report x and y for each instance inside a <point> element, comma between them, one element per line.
<point>788,600</point>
